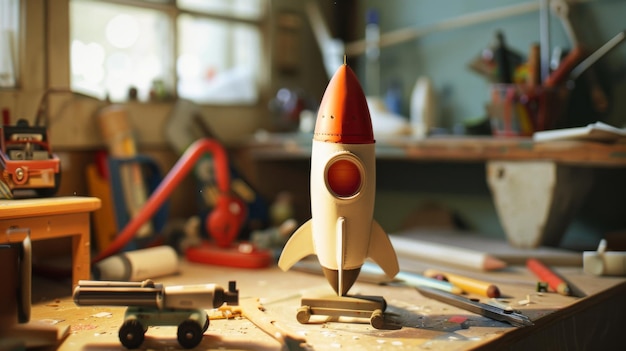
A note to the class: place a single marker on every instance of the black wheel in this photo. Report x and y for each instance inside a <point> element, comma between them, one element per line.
<point>131,334</point>
<point>206,325</point>
<point>189,334</point>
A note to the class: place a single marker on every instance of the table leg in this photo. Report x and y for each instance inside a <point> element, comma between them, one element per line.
<point>81,264</point>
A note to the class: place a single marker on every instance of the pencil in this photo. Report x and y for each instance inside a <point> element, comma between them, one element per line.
<point>534,66</point>
<point>419,249</point>
<point>413,279</point>
<point>416,280</point>
<point>560,75</point>
<point>469,285</point>
<point>545,274</point>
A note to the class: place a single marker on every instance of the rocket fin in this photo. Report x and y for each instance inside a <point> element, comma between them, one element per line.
<point>381,251</point>
<point>299,246</point>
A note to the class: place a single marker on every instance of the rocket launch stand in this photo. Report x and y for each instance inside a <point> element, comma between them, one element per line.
<point>361,306</point>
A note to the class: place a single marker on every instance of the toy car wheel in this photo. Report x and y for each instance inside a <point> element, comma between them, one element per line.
<point>304,314</point>
<point>206,325</point>
<point>131,334</point>
<point>377,320</point>
<point>189,334</point>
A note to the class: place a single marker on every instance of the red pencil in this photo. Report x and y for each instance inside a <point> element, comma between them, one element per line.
<point>545,274</point>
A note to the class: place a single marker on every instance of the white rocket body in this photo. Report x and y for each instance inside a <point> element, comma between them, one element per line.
<point>349,218</point>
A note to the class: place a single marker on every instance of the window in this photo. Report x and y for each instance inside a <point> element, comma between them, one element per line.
<point>220,69</point>
<point>115,48</point>
<point>242,9</point>
<point>205,51</point>
<point>9,22</point>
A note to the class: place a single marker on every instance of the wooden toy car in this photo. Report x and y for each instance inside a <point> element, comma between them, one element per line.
<point>27,161</point>
<point>359,306</point>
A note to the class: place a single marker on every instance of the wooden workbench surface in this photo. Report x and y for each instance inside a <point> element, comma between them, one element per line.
<point>47,206</point>
<point>423,322</point>
<point>457,149</point>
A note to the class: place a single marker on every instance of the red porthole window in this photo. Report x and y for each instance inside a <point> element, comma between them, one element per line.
<point>344,178</point>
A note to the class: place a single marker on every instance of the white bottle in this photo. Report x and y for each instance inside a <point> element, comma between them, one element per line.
<point>372,54</point>
<point>138,265</point>
<point>423,111</point>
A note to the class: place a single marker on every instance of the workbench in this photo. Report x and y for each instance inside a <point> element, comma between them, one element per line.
<point>537,187</point>
<point>55,217</point>
<point>593,322</point>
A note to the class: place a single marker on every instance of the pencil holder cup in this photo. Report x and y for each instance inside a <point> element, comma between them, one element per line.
<point>521,110</point>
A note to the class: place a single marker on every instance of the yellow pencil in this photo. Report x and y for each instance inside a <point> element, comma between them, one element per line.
<point>469,285</point>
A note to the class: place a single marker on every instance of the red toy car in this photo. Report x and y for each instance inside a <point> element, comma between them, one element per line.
<point>27,162</point>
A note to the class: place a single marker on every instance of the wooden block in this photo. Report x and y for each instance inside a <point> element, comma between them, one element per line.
<point>536,200</point>
<point>37,334</point>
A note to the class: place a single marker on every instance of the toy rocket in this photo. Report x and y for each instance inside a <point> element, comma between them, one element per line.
<point>342,231</point>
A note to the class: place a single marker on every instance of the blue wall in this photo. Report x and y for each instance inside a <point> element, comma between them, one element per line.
<point>444,56</point>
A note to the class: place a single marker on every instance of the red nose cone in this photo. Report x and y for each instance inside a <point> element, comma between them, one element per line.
<point>343,115</point>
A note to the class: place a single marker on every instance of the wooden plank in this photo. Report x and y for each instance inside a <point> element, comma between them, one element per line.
<point>458,149</point>
<point>58,45</point>
<point>483,149</point>
<point>39,334</point>
<point>496,247</point>
<point>38,207</point>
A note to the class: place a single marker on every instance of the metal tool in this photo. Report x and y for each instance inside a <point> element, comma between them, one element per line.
<point>512,317</point>
<point>561,8</point>
<point>598,54</point>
